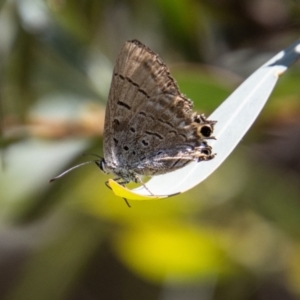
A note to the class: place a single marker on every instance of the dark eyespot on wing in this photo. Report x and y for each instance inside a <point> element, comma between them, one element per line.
<point>206,131</point>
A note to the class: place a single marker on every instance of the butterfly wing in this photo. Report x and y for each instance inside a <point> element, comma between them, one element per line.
<point>146,113</point>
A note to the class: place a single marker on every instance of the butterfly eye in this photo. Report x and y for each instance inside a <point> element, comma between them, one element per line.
<point>206,131</point>
<point>102,165</point>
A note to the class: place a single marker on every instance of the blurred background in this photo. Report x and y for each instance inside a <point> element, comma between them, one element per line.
<point>235,236</point>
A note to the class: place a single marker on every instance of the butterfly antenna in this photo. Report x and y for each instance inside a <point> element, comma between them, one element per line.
<point>93,154</point>
<point>71,169</point>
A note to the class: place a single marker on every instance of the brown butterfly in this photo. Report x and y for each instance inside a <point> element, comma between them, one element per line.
<point>150,127</point>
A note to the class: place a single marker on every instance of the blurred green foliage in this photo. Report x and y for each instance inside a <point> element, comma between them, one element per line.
<point>235,236</point>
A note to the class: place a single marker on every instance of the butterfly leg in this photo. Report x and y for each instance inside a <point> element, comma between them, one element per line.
<point>118,181</point>
<point>126,201</point>
<point>107,185</point>
<point>122,183</point>
<point>137,179</point>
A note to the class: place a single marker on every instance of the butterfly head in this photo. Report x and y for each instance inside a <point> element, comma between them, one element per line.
<point>102,165</point>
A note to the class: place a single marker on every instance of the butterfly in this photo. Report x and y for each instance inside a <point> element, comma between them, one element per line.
<point>150,127</point>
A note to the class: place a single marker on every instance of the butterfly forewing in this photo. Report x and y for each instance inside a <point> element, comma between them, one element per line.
<point>147,118</point>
